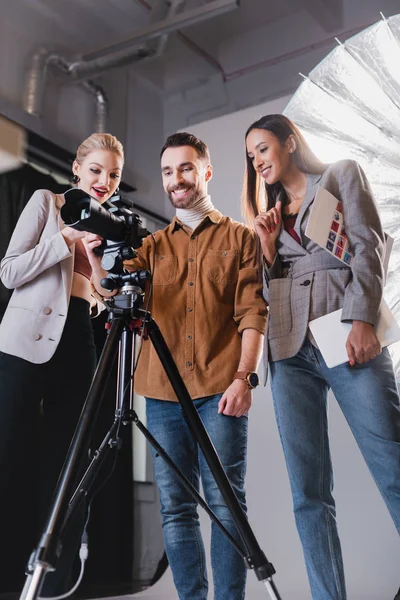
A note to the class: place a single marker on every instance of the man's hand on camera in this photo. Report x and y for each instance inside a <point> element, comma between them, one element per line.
<point>236,400</point>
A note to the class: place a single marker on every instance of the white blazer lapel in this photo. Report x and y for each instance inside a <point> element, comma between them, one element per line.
<point>66,271</point>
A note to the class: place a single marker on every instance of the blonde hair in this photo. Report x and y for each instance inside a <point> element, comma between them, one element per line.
<point>99,141</point>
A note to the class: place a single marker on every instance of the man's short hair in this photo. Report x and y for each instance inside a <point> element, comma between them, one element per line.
<point>177,140</point>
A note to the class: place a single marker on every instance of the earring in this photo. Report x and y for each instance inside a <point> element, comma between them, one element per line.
<point>76,179</point>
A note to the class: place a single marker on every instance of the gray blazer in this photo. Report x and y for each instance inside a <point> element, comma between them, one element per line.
<point>38,265</point>
<point>305,281</point>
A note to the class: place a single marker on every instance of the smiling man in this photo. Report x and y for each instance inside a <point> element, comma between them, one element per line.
<point>207,301</point>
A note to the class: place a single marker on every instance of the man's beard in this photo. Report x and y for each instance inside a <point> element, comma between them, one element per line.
<point>187,201</point>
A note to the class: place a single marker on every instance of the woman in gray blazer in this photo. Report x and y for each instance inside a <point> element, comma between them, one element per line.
<point>47,350</point>
<point>303,281</point>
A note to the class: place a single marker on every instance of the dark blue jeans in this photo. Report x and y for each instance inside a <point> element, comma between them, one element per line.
<point>182,537</point>
<point>368,397</point>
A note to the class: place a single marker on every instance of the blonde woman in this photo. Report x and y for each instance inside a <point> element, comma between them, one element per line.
<point>47,350</point>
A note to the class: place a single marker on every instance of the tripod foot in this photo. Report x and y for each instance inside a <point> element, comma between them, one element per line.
<point>34,582</point>
<point>273,592</point>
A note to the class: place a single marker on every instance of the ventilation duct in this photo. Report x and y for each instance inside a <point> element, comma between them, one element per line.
<point>126,52</point>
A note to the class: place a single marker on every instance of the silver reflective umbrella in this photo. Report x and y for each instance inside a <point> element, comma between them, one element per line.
<point>349,107</point>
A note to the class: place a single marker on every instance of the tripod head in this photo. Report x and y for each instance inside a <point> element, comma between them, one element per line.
<point>130,297</point>
<point>124,281</point>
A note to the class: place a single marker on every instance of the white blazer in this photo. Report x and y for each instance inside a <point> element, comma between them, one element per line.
<point>38,265</point>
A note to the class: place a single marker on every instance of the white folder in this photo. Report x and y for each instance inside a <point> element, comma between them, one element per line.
<point>331,334</point>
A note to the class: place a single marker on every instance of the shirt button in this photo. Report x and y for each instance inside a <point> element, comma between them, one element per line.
<point>191,283</point>
<point>37,337</point>
<point>189,364</point>
<point>193,237</point>
<point>224,253</point>
<point>191,259</point>
<point>306,282</point>
<point>47,310</point>
<point>189,337</point>
<point>190,309</point>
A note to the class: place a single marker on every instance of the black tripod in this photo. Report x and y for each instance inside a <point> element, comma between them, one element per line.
<point>126,318</point>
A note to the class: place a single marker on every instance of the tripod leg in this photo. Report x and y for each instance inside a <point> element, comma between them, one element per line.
<point>45,554</point>
<point>256,558</point>
<point>186,483</point>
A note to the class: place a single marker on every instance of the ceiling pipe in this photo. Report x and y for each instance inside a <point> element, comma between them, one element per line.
<point>35,84</point>
<point>170,24</point>
<point>80,71</point>
<point>101,123</point>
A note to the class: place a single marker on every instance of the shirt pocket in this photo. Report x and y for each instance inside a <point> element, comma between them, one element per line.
<point>165,267</point>
<point>223,266</point>
<point>280,310</point>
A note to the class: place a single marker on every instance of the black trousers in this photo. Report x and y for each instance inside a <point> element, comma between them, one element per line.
<point>40,405</point>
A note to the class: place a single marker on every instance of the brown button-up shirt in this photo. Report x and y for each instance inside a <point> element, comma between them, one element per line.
<point>206,290</point>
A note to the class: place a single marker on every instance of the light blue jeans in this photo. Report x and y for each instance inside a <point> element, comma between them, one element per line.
<point>368,397</point>
<point>182,537</point>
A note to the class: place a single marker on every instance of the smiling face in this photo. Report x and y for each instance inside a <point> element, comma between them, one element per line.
<point>99,173</point>
<point>270,158</point>
<point>185,175</point>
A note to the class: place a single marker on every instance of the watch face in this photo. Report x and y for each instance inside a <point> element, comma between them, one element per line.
<point>253,380</point>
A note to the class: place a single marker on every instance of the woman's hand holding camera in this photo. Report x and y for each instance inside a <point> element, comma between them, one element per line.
<point>92,241</point>
<point>72,235</point>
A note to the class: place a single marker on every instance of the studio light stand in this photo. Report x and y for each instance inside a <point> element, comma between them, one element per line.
<point>127,319</point>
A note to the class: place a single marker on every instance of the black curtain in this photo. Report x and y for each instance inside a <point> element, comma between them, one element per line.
<point>109,567</point>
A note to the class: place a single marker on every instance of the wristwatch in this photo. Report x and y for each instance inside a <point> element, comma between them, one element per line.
<point>249,377</point>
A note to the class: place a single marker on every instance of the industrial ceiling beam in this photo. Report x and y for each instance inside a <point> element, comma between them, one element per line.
<point>174,23</point>
<point>328,13</point>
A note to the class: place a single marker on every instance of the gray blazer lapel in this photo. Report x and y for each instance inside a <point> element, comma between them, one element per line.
<point>311,189</point>
<point>286,239</point>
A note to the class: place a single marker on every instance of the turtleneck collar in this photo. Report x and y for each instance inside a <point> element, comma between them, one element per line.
<point>193,216</point>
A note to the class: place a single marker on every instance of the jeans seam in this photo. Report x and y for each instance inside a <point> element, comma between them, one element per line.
<point>202,565</point>
<point>381,490</point>
<point>326,510</point>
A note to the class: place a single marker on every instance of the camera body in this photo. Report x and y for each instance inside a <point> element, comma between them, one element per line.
<point>120,228</point>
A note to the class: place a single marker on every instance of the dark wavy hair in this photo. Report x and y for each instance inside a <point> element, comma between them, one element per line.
<point>253,191</point>
<point>176,140</point>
